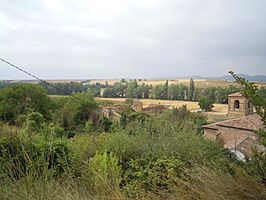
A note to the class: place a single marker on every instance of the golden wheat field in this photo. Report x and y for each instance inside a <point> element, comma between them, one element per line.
<point>191,105</point>
<point>202,83</point>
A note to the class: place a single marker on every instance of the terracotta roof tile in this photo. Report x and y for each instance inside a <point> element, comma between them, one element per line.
<point>211,126</point>
<point>246,146</point>
<point>155,108</point>
<point>237,94</point>
<point>232,144</point>
<point>249,122</point>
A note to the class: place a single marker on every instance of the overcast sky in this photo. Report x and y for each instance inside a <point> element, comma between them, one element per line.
<point>132,38</point>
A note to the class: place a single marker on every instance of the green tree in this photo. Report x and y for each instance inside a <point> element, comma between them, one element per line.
<point>257,162</point>
<point>130,93</point>
<point>182,92</point>
<point>173,92</point>
<point>252,92</point>
<point>158,91</point>
<point>75,111</point>
<point>165,93</point>
<point>206,104</point>
<point>191,90</point>
<point>20,99</point>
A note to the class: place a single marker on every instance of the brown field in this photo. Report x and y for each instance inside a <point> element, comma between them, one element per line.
<point>191,105</point>
<point>218,113</point>
<point>202,83</point>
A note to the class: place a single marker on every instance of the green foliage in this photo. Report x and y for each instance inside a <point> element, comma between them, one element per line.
<point>19,99</point>
<point>160,174</point>
<point>257,162</point>
<point>75,111</point>
<point>256,165</point>
<point>105,124</point>
<point>125,146</point>
<point>89,126</point>
<point>206,104</point>
<point>181,112</point>
<point>49,155</point>
<point>252,92</point>
<point>158,92</point>
<point>106,171</point>
<point>34,121</point>
<point>21,155</point>
<point>132,85</point>
<point>72,88</point>
<point>191,90</point>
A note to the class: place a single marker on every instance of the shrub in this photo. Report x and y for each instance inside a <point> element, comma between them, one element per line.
<point>105,124</point>
<point>206,103</point>
<point>106,172</point>
<point>156,175</point>
<point>19,99</point>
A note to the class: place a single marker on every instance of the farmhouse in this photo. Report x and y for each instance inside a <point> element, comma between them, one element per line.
<point>238,132</point>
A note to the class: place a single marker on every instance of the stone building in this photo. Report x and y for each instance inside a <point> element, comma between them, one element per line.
<point>238,106</point>
<point>238,132</point>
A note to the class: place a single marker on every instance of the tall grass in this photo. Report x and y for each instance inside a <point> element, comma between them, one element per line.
<point>153,159</point>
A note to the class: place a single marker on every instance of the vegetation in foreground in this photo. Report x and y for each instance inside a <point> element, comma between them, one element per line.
<point>62,149</point>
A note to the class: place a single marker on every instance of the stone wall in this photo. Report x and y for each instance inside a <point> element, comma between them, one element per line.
<point>245,108</point>
<point>111,113</point>
<point>233,134</point>
<point>137,105</point>
<point>210,134</point>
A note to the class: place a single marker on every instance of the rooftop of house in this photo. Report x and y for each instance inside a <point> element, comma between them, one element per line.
<point>245,146</point>
<point>250,122</point>
<point>237,94</point>
<point>155,108</point>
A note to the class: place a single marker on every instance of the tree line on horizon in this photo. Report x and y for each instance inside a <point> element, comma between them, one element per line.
<point>131,89</point>
<point>57,148</point>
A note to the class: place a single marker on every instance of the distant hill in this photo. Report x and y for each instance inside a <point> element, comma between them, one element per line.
<point>258,78</point>
<point>247,77</point>
<point>225,77</point>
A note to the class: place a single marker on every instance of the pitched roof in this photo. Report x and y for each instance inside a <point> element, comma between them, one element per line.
<point>237,94</point>
<point>246,146</point>
<point>155,108</point>
<point>211,126</point>
<point>232,144</point>
<point>250,122</point>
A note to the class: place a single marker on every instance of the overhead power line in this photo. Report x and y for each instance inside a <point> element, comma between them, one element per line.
<point>36,77</point>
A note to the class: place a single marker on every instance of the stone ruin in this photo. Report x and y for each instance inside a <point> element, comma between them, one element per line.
<point>137,105</point>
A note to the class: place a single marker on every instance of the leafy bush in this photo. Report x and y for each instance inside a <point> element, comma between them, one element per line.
<point>74,112</point>
<point>19,99</point>
<point>156,175</point>
<point>106,172</point>
<point>105,124</point>
<point>20,154</point>
<point>206,103</point>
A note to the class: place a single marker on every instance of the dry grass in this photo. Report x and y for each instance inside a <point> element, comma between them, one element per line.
<point>191,105</point>
<point>219,112</point>
<point>201,83</point>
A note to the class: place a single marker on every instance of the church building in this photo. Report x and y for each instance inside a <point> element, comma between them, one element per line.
<point>238,132</point>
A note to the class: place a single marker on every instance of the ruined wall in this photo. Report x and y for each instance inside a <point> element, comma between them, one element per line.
<point>210,134</point>
<point>137,105</point>
<point>110,113</point>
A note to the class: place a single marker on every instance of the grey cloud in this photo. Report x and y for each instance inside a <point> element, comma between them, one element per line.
<point>129,38</point>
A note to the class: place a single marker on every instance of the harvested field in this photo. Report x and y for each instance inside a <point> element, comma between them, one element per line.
<point>191,105</point>
<point>218,113</point>
<point>201,83</point>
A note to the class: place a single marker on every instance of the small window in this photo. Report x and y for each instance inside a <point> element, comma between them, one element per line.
<point>237,104</point>
<point>249,105</point>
